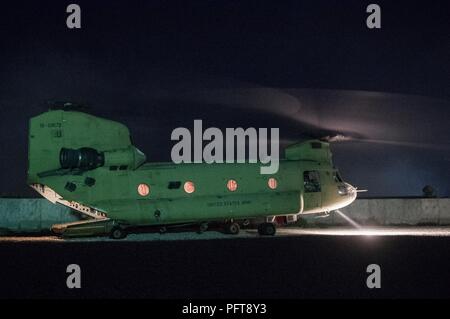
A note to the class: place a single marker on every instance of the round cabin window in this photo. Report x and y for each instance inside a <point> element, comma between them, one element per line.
<point>232,185</point>
<point>189,187</point>
<point>272,183</point>
<point>143,189</point>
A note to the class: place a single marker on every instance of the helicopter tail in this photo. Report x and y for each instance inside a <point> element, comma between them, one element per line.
<point>61,141</point>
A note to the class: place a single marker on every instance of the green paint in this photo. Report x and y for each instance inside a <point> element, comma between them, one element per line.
<point>111,185</point>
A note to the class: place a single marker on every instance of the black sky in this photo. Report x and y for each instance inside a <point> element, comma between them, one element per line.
<point>308,67</point>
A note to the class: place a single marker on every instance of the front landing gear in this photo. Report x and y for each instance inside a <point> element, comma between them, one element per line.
<point>267,229</point>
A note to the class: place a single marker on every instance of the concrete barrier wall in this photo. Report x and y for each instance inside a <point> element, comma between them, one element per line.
<point>31,215</point>
<point>37,215</point>
<point>393,211</point>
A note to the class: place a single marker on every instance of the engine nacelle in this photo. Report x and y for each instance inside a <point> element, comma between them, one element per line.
<point>130,157</point>
<point>83,158</point>
<point>87,158</point>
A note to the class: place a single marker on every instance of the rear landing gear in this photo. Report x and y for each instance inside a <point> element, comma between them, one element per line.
<point>232,228</point>
<point>267,229</point>
<point>118,233</point>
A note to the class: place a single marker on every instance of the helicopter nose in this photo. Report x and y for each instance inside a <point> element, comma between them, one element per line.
<point>348,192</point>
<point>353,191</point>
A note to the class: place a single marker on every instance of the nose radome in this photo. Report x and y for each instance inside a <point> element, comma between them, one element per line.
<point>351,191</point>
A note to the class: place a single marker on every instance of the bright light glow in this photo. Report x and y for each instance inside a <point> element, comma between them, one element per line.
<point>143,189</point>
<point>348,219</point>
<point>373,233</point>
<point>189,187</point>
<point>272,183</point>
<point>232,185</point>
<point>369,232</point>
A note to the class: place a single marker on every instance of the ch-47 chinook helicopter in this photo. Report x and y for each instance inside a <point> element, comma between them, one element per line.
<point>90,165</point>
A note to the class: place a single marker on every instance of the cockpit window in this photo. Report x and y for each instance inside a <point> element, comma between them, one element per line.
<point>311,180</point>
<point>337,177</point>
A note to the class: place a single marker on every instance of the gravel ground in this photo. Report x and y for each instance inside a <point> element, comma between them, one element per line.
<point>251,234</point>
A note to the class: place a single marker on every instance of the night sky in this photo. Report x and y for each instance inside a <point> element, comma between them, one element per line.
<point>311,68</point>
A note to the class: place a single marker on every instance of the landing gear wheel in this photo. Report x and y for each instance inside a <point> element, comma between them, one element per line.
<point>246,222</point>
<point>118,233</point>
<point>203,227</point>
<point>232,228</point>
<point>267,229</point>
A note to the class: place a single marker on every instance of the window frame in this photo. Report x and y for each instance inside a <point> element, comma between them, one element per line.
<point>312,185</point>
